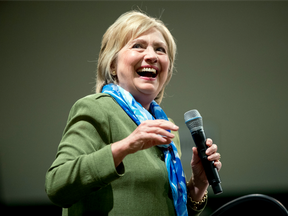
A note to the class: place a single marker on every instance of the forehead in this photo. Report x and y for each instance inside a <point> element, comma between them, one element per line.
<point>151,35</point>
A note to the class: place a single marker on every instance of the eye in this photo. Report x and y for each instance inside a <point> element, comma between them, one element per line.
<point>161,49</point>
<point>137,46</point>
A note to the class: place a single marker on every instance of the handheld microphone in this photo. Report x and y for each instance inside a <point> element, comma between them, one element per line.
<point>194,122</point>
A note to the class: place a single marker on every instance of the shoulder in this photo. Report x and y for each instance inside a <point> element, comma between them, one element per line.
<point>95,101</point>
<point>98,98</point>
<point>94,105</point>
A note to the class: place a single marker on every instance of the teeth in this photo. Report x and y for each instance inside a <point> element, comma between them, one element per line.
<point>147,70</point>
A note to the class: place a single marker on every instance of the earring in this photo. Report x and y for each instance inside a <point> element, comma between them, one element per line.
<point>113,73</point>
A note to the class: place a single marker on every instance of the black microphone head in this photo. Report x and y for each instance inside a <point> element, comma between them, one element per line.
<point>193,120</point>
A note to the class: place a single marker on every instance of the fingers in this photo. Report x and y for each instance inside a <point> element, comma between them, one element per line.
<point>150,133</point>
<point>197,166</point>
<point>166,125</point>
<point>218,165</point>
<point>159,131</point>
<point>209,142</point>
<point>212,153</point>
<point>212,148</point>
<point>214,157</point>
<point>158,127</point>
<point>195,158</point>
<point>159,140</point>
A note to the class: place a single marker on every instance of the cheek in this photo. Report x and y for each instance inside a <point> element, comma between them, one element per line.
<point>165,68</point>
<point>130,59</point>
<point>165,65</point>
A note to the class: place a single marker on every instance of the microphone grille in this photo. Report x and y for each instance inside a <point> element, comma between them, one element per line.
<point>193,120</point>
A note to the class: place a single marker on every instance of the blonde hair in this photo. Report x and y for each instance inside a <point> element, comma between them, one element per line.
<point>129,26</point>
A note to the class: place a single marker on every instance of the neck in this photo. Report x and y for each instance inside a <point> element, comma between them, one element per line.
<point>144,103</point>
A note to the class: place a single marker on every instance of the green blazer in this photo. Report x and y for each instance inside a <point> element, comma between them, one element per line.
<point>83,179</point>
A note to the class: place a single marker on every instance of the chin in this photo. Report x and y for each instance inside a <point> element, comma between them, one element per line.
<point>148,89</point>
<point>149,94</point>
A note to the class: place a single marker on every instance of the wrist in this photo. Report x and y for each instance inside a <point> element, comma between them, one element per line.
<point>197,204</point>
<point>196,190</point>
<point>119,151</point>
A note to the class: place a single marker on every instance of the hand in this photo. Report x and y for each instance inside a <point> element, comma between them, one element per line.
<point>196,164</point>
<point>149,133</point>
<point>198,184</point>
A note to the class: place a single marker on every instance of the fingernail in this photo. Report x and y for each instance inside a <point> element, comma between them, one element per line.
<point>210,141</point>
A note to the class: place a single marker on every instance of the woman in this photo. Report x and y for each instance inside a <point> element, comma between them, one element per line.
<point>119,154</point>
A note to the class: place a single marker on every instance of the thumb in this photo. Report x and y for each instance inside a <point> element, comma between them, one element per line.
<point>195,156</point>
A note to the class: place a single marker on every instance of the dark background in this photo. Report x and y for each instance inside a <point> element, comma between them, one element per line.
<point>231,66</point>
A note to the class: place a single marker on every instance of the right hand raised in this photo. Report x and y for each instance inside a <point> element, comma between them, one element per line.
<point>149,133</point>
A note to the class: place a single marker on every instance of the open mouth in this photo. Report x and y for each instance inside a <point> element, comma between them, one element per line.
<point>147,72</point>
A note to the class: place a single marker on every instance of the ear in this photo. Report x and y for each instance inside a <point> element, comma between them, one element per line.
<point>113,69</point>
<point>113,66</point>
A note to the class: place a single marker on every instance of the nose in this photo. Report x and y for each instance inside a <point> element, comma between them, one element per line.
<point>150,55</point>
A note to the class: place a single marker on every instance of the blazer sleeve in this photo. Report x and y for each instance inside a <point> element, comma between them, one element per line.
<point>82,155</point>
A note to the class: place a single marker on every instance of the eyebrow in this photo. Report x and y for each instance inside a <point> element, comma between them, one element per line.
<point>157,43</point>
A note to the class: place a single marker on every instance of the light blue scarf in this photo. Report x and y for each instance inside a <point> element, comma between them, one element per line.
<point>173,164</point>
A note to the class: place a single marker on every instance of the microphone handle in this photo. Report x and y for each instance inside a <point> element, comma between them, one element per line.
<point>210,170</point>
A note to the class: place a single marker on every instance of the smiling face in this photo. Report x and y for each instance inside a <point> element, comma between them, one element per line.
<point>142,66</point>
